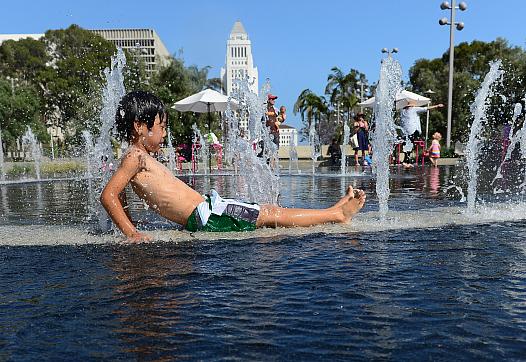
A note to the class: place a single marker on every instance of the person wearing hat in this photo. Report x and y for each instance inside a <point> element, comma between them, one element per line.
<point>271,118</point>
<point>410,123</point>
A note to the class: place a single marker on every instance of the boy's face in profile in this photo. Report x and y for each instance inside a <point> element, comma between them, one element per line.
<point>151,139</point>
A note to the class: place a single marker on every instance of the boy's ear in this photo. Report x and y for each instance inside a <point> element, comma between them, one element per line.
<point>137,126</point>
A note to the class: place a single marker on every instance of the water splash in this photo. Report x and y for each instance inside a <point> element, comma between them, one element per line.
<point>345,145</point>
<point>172,162</point>
<point>383,135</point>
<point>2,167</point>
<point>103,157</point>
<point>253,154</point>
<point>512,140</point>
<point>315,144</point>
<point>203,150</point>
<point>29,140</point>
<point>459,190</point>
<point>293,157</point>
<point>89,151</point>
<point>476,137</point>
<point>111,96</point>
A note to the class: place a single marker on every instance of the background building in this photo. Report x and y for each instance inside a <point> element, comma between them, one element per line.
<point>287,135</point>
<point>239,63</point>
<point>143,42</point>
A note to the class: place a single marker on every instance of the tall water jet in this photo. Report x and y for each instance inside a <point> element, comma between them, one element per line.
<point>112,93</point>
<point>476,137</point>
<point>315,144</point>
<point>111,96</point>
<point>383,135</point>
<point>344,146</point>
<point>29,140</point>
<point>2,167</point>
<point>172,162</point>
<point>511,140</point>
<point>257,156</point>
<point>203,150</point>
<point>293,157</point>
<point>88,149</point>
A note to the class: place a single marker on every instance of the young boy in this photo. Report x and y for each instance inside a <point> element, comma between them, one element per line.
<point>141,120</point>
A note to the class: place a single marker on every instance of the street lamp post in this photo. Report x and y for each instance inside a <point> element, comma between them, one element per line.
<point>444,21</point>
<point>361,84</point>
<point>389,51</point>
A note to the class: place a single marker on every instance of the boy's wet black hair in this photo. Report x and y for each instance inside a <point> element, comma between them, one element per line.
<point>137,106</point>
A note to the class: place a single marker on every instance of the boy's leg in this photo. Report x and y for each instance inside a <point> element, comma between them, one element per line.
<point>341,212</point>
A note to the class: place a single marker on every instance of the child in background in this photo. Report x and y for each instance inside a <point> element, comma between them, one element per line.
<point>282,116</point>
<point>141,121</point>
<point>434,149</point>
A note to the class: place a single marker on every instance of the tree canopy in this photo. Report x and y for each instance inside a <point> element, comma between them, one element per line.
<point>57,80</point>
<point>472,62</point>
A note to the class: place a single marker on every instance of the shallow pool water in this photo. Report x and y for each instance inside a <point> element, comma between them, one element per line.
<point>430,282</point>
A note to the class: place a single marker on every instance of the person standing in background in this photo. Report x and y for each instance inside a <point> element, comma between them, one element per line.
<point>361,128</point>
<point>271,118</point>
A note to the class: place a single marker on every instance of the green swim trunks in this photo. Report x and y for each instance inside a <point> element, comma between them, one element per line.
<point>218,214</point>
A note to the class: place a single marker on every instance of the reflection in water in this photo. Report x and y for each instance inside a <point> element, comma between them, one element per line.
<point>149,298</point>
<point>5,202</point>
<point>434,181</point>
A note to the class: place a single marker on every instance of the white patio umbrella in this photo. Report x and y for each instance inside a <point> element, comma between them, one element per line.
<point>206,101</point>
<point>402,99</point>
<point>368,103</point>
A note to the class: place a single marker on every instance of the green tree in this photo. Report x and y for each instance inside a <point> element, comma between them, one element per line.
<point>472,62</point>
<point>313,108</point>
<point>175,82</point>
<point>19,108</point>
<point>72,78</point>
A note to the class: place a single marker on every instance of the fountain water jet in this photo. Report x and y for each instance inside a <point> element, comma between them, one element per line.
<point>263,185</point>
<point>315,144</point>
<point>29,140</point>
<point>384,133</point>
<point>2,167</point>
<point>478,109</point>
<point>172,161</point>
<point>88,149</point>
<point>203,150</point>
<point>344,146</point>
<point>112,93</point>
<point>293,157</point>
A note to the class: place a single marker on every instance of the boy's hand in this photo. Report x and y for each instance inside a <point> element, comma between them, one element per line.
<point>138,238</point>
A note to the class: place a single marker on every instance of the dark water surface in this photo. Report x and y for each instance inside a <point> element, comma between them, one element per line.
<point>452,293</point>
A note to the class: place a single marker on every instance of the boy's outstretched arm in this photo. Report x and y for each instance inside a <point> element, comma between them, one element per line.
<point>111,197</point>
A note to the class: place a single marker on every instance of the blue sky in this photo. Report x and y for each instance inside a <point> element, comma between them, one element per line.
<point>295,43</point>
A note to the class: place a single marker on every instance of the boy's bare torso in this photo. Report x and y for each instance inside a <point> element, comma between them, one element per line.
<point>162,191</point>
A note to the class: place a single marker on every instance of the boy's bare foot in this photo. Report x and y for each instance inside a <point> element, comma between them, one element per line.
<point>350,204</point>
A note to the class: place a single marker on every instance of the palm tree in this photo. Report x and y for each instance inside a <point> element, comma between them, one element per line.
<point>342,88</point>
<point>312,108</point>
<point>215,84</point>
